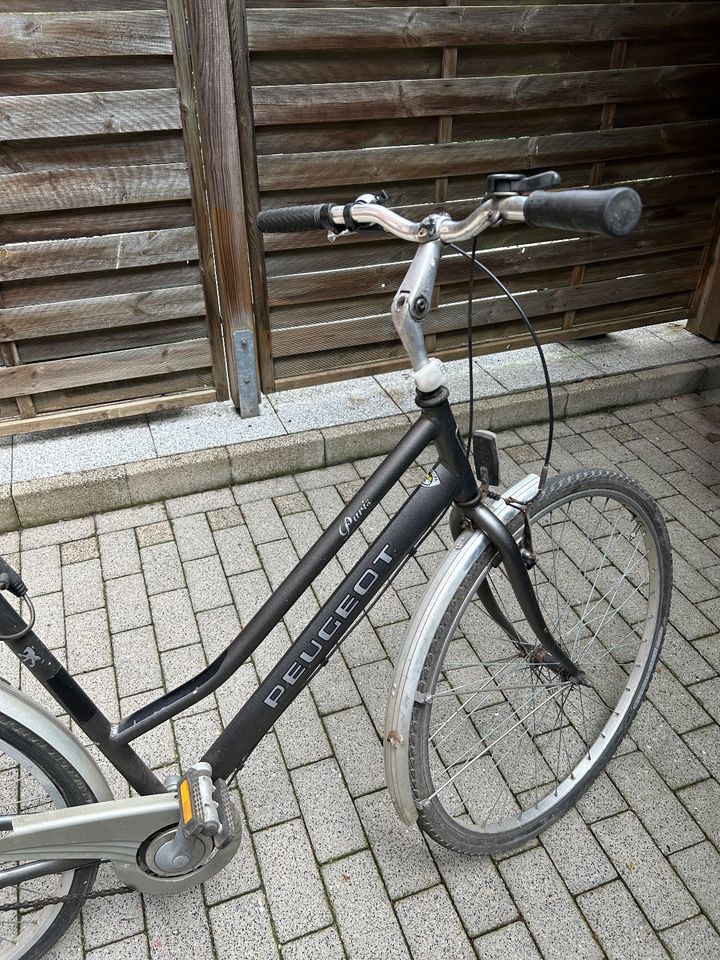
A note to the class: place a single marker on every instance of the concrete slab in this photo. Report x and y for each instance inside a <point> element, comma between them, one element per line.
<point>210,425</point>
<point>521,369</point>
<point>6,455</point>
<point>401,387</point>
<point>626,350</point>
<point>329,404</point>
<point>79,448</point>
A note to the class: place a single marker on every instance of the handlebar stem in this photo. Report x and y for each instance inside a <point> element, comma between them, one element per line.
<point>410,307</point>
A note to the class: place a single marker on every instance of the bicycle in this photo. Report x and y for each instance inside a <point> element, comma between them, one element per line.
<point>523,666</point>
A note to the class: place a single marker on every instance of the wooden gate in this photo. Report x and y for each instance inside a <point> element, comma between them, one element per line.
<point>114,237</point>
<point>426,100</point>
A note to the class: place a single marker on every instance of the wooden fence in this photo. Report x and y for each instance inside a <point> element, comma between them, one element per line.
<point>139,138</point>
<point>109,222</point>
<point>425,101</point>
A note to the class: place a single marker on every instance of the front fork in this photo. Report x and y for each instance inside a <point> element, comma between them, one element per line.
<point>481,518</point>
<point>409,308</point>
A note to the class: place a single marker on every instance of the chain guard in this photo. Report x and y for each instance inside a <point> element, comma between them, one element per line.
<point>117,831</point>
<point>138,878</point>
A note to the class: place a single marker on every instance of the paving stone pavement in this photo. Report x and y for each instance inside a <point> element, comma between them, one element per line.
<point>139,599</point>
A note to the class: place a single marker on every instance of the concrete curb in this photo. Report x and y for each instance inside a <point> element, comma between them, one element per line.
<point>35,502</point>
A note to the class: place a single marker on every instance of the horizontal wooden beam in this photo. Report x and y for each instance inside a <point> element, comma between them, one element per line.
<point>666,189</point>
<point>386,164</point>
<point>99,33</point>
<point>327,102</point>
<point>99,413</point>
<point>354,28</point>
<point>115,365</point>
<point>52,6</point>
<point>97,313</point>
<point>379,359</point>
<point>93,187</point>
<point>87,114</point>
<point>380,278</point>
<point>116,251</point>
<point>497,309</point>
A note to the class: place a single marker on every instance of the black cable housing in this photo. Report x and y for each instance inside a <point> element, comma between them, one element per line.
<point>474,262</point>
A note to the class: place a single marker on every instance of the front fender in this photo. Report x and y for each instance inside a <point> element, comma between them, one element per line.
<point>21,708</point>
<point>422,630</point>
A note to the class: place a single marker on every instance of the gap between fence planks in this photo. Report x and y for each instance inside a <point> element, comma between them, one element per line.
<point>314,368</point>
<point>376,279</point>
<point>279,171</point>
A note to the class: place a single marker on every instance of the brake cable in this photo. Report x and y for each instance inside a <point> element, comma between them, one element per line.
<point>474,262</point>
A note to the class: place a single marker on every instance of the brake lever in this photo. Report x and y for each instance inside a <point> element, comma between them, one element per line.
<point>380,199</point>
<point>519,183</point>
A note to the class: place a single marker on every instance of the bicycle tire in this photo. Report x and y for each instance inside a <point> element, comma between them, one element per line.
<point>37,759</point>
<point>454,820</point>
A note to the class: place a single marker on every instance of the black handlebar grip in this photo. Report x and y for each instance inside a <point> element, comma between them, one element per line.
<point>614,212</point>
<point>313,216</point>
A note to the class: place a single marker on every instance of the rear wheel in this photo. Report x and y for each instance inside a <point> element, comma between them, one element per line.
<point>35,778</point>
<point>501,746</point>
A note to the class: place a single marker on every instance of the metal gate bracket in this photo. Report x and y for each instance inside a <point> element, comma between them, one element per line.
<point>246,371</point>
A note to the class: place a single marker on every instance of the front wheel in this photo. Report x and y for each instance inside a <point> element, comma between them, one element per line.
<point>500,746</point>
<point>35,778</point>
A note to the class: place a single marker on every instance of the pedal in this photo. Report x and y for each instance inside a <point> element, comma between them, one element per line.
<point>229,822</point>
<point>485,455</point>
<point>199,813</point>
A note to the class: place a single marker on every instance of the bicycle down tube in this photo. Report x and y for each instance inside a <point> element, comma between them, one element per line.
<point>450,480</point>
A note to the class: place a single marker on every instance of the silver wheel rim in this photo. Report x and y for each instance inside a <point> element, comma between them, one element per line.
<point>34,925</point>
<point>447,792</point>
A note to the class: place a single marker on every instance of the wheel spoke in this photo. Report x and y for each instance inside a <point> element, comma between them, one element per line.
<point>487,749</point>
<point>509,737</point>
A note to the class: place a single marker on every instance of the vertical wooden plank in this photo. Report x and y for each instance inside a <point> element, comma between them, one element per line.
<point>607,118</point>
<point>11,358</point>
<point>705,305</point>
<point>193,150</point>
<point>217,119</point>
<point>448,70</point>
<point>248,154</point>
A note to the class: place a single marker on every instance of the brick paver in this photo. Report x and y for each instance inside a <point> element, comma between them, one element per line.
<point>137,600</point>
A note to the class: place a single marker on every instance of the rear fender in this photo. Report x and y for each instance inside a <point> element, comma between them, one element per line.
<point>21,708</point>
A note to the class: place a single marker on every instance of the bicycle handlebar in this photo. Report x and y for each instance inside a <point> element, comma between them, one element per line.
<point>293,219</point>
<point>614,212</point>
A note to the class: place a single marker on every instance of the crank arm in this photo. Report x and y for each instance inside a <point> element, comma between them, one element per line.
<point>95,831</point>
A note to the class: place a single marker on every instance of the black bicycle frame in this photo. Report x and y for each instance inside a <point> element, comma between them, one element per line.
<point>450,480</point>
